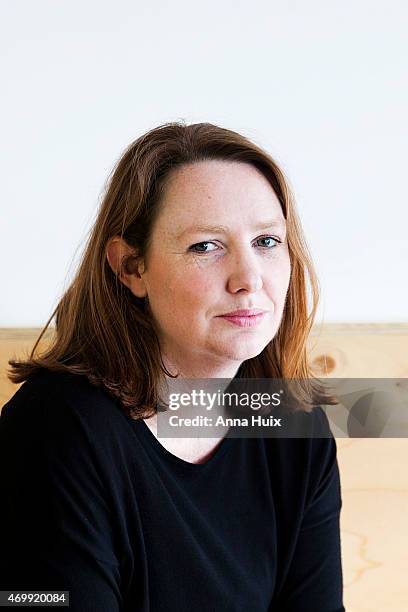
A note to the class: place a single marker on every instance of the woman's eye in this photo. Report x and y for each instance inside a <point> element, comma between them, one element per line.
<point>198,247</point>
<point>269,240</point>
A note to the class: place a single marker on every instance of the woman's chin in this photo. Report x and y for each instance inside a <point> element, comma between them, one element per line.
<point>242,350</point>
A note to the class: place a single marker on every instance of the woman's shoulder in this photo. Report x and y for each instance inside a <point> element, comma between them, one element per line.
<point>305,471</point>
<point>55,399</point>
<point>308,451</point>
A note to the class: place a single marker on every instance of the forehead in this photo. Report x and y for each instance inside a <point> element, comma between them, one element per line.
<point>218,191</point>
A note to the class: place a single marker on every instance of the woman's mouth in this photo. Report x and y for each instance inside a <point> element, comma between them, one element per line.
<point>244,318</point>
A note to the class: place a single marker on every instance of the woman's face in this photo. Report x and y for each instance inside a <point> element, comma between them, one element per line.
<point>218,245</point>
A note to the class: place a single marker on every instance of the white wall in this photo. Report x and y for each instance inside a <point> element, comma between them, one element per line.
<point>319,84</point>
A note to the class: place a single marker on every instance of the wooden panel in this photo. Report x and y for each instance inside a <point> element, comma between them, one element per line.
<point>360,350</point>
<point>373,472</point>
<point>373,523</point>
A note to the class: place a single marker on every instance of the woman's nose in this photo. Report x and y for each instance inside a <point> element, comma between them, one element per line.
<point>245,274</point>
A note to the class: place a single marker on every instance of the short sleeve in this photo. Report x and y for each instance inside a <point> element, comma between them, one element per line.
<point>56,525</point>
<point>315,579</point>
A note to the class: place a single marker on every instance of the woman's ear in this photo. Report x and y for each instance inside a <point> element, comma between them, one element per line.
<point>126,265</point>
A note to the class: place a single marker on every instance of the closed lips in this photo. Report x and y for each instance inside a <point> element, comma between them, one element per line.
<point>243,313</point>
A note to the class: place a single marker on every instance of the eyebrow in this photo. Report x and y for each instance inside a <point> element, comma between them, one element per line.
<point>221,229</point>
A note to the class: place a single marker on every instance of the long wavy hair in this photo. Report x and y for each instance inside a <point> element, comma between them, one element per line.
<point>106,333</point>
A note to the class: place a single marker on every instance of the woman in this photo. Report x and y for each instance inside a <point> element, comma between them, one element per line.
<point>195,268</point>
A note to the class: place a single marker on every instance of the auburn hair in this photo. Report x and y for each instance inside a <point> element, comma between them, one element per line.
<point>104,332</point>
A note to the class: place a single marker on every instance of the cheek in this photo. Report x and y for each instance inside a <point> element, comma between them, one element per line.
<point>181,293</point>
<point>277,280</point>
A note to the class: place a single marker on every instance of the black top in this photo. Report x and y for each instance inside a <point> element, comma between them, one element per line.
<point>93,503</point>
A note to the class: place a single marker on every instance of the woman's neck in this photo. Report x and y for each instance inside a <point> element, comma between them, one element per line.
<point>204,369</point>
